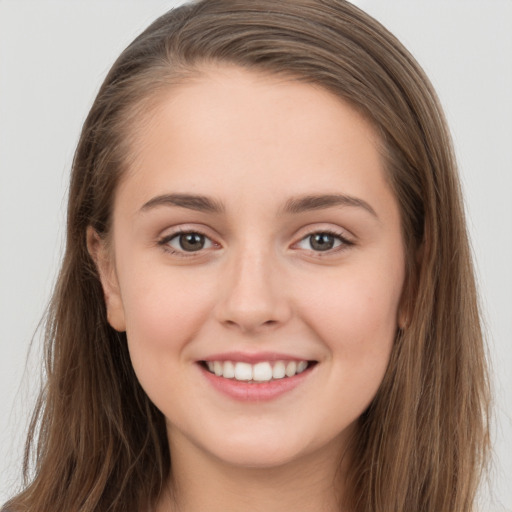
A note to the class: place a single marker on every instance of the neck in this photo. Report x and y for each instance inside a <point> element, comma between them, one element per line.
<point>201,482</point>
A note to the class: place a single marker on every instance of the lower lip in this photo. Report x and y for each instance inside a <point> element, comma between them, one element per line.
<point>255,392</point>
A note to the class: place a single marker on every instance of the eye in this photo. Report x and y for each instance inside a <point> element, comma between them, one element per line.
<point>323,241</point>
<point>186,242</point>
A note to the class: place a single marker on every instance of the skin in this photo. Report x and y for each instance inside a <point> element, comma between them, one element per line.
<point>254,142</point>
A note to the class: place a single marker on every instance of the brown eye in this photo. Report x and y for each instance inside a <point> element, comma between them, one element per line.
<point>322,241</point>
<point>191,241</point>
<point>187,242</point>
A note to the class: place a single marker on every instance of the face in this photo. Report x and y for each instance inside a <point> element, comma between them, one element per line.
<point>256,264</point>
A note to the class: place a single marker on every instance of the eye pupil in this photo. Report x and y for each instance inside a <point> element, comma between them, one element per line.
<point>322,241</point>
<point>191,241</point>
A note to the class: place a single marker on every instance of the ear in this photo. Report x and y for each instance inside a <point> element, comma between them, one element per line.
<point>102,257</point>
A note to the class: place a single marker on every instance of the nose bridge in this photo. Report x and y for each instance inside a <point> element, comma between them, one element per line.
<point>252,295</point>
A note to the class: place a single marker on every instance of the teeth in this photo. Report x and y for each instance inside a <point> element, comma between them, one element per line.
<point>279,370</point>
<point>259,372</point>
<point>291,369</point>
<point>301,366</point>
<point>228,370</point>
<point>262,372</point>
<point>217,368</point>
<point>243,371</point>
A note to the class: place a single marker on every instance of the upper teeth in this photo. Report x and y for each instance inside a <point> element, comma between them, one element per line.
<point>259,372</point>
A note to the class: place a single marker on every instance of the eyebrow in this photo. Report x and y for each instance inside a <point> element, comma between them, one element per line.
<point>292,206</point>
<point>323,201</point>
<point>190,201</point>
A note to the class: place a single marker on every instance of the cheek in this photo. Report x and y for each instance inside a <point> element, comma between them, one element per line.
<point>360,312</point>
<point>357,322</point>
<point>163,312</point>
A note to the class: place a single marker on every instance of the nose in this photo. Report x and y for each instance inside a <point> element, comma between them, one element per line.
<point>252,293</point>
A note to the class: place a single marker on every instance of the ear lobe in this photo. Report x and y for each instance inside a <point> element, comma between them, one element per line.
<point>103,260</point>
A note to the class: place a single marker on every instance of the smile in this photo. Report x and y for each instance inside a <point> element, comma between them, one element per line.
<point>264,371</point>
<point>256,377</point>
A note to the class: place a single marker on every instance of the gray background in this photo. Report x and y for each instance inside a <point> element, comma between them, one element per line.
<point>53,57</point>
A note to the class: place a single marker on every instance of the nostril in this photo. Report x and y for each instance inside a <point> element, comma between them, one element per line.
<point>249,323</point>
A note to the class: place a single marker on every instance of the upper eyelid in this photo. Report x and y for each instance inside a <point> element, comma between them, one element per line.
<point>335,234</point>
<point>171,232</point>
<point>300,234</point>
<point>344,233</point>
<point>338,231</point>
<point>170,236</point>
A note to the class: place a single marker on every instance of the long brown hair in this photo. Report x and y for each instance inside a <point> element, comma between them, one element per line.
<point>97,443</point>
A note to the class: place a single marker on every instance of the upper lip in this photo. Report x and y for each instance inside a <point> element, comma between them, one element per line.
<point>253,358</point>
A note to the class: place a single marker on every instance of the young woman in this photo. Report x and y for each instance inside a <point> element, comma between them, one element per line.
<point>267,299</point>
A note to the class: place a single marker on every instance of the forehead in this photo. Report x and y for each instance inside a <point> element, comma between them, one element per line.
<point>230,130</point>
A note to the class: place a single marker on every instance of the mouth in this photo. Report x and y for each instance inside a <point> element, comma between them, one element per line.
<point>258,373</point>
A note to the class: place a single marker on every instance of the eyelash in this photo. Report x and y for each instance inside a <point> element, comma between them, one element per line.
<point>164,242</point>
<point>343,245</point>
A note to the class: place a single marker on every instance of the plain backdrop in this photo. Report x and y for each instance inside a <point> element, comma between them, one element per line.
<point>53,57</point>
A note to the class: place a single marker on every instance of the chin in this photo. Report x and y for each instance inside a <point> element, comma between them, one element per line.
<point>258,457</point>
<point>257,451</point>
